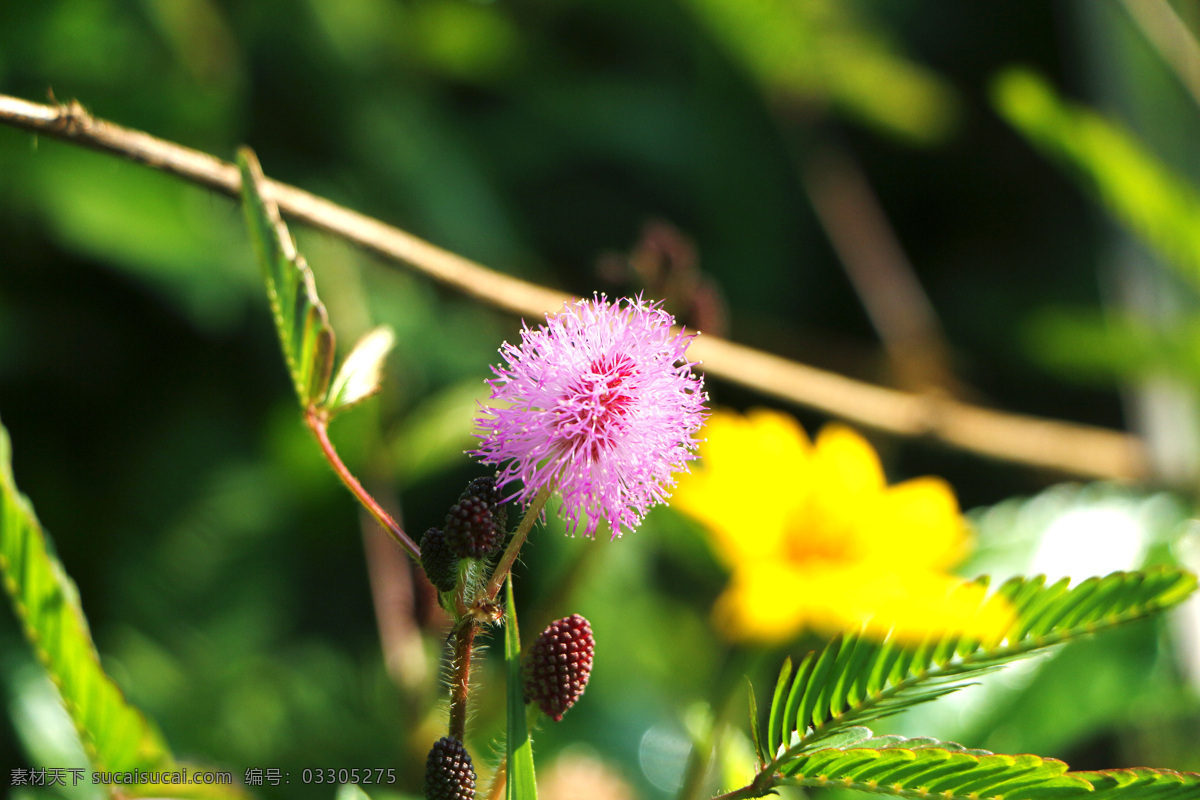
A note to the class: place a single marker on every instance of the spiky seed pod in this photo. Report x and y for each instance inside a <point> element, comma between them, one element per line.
<point>472,529</point>
<point>441,565</point>
<point>448,771</point>
<point>558,665</point>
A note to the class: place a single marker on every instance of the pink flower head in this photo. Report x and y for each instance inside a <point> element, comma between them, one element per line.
<point>599,404</point>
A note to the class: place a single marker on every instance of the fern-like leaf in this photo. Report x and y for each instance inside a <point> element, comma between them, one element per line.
<point>115,735</point>
<point>1142,784</point>
<point>300,317</point>
<point>856,679</point>
<point>936,770</point>
<point>930,769</point>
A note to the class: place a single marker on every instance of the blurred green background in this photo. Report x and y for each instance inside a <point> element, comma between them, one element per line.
<point>705,150</point>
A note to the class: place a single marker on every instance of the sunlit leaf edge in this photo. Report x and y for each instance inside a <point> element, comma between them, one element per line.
<point>1142,783</point>
<point>116,736</point>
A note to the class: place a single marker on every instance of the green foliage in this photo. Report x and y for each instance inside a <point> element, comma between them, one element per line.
<point>856,679</point>
<point>1090,345</point>
<point>434,434</point>
<point>1144,784</point>
<point>300,318</point>
<point>351,791</point>
<point>115,735</point>
<point>921,768</point>
<point>925,768</point>
<point>1136,187</point>
<point>521,784</point>
<point>531,136</point>
<point>824,50</point>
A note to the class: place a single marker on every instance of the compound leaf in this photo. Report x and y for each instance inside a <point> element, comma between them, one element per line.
<point>856,679</point>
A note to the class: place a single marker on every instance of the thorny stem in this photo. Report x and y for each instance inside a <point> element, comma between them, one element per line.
<point>514,546</point>
<point>318,423</point>
<point>460,682</point>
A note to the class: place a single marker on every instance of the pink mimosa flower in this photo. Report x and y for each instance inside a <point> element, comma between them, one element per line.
<point>599,404</point>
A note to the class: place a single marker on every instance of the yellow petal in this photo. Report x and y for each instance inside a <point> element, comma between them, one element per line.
<point>915,525</point>
<point>915,605</point>
<point>846,484</point>
<point>764,602</point>
<point>736,488</point>
<point>847,462</point>
<point>773,602</point>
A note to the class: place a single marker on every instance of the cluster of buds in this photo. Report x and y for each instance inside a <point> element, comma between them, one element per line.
<point>474,528</point>
<point>555,673</point>
<point>556,667</point>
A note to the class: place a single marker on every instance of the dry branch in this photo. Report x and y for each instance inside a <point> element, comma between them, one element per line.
<point>1071,448</point>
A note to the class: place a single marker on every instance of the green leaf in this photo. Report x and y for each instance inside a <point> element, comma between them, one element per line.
<point>827,51</point>
<point>521,784</point>
<point>1097,346</point>
<point>300,318</point>
<point>776,726</point>
<point>927,769</point>
<point>360,374</point>
<point>759,752</point>
<point>856,679</point>
<point>115,735</point>
<point>1142,784</point>
<point>1138,189</point>
<point>351,791</point>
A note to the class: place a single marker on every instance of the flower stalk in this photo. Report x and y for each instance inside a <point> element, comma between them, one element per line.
<point>318,423</point>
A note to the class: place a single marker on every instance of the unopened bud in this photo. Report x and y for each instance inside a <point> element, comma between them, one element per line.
<point>558,665</point>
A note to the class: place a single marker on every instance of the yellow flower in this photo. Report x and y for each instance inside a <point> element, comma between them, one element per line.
<point>816,539</point>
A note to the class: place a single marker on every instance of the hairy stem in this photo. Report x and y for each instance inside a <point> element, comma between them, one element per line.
<point>514,546</point>
<point>499,780</point>
<point>460,681</point>
<point>319,425</point>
